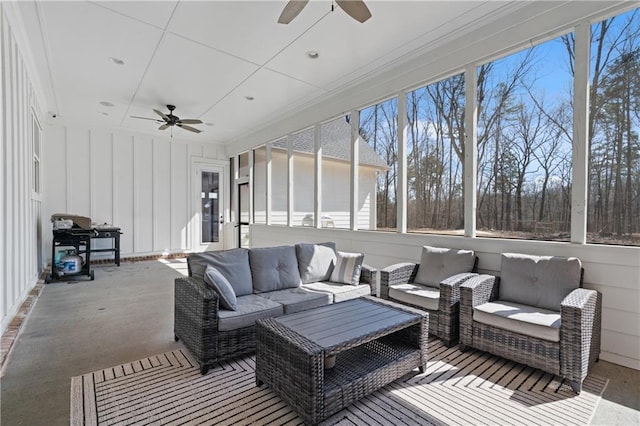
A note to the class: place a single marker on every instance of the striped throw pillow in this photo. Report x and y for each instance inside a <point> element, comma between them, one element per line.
<point>347,269</point>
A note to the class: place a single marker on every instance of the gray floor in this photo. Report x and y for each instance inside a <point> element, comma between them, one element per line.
<point>127,314</point>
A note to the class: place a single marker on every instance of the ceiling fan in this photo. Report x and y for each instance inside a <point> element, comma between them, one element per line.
<point>170,120</point>
<point>354,8</point>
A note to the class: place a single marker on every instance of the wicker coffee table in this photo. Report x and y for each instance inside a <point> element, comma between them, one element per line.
<point>374,342</point>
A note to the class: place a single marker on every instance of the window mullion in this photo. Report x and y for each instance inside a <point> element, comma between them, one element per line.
<point>470,167</point>
<point>580,134</point>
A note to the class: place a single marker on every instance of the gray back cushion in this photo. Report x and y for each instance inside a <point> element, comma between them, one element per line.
<point>233,265</point>
<point>541,281</point>
<point>438,264</point>
<point>274,268</point>
<point>315,261</point>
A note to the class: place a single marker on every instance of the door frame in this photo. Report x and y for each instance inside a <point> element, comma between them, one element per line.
<point>198,165</point>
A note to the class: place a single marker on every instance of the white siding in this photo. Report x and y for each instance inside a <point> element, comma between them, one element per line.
<point>133,181</point>
<point>20,211</point>
<point>612,270</point>
<point>335,197</point>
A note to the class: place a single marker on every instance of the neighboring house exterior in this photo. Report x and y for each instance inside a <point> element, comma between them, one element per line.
<point>336,155</point>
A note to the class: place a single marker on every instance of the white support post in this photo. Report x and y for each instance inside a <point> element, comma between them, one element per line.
<point>234,213</point>
<point>401,184</point>
<point>252,155</point>
<point>317,168</point>
<point>289,180</point>
<point>580,176</point>
<point>470,151</point>
<point>268,183</point>
<point>355,168</point>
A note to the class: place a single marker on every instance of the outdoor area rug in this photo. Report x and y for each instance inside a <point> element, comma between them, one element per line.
<point>457,388</point>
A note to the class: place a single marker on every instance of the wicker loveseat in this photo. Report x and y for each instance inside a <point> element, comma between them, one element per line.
<point>432,285</point>
<point>266,282</point>
<point>535,313</point>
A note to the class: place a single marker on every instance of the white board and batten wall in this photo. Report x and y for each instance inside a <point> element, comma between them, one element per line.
<point>612,270</point>
<point>20,212</point>
<point>137,182</point>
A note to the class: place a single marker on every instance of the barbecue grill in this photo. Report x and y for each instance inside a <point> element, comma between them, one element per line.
<point>73,231</point>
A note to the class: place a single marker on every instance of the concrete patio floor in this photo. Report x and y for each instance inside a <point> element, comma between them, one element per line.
<point>127,314</point>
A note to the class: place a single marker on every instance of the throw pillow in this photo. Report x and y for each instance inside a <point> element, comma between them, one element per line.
<point>315,261</point>
<point>214,279</point>
<point>438,264</point>
<point>348,268</point>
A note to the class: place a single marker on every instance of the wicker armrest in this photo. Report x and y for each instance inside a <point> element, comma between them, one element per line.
<point>473,292</point>
<point>450,290</point>
<point>580,329</point>
<point>367,274</point>
<point>396,274</point>
<point>196,286</point>
<point>196,304</point>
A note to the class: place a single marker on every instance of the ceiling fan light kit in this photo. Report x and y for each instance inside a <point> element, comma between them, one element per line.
<point>170,120</point>
<point>357,9</point>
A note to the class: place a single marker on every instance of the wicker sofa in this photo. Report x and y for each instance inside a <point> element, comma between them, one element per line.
<point>432,285</point>
<point>535,313</point>
<point>265,282</point>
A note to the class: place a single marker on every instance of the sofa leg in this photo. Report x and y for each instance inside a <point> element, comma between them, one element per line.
<point>576,386</point>
<point>449,343</point>
<point>175,337</point>
<point>462,347</point>
<point>203,369</point>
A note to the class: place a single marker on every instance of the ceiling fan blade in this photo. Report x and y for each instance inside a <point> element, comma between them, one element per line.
<point>163,127</point>
<point>145,118</point>
<point>189,121</point>
<point>356,9</point>
<point>164,116</point>
<point>291,10</point>
<point>189,128</point>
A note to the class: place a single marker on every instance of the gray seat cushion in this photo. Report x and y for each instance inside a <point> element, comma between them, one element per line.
<point>233,265</point>
<point>274,268</point>
<point>438,264</point>
<point>340,292</point>
<point>249,309</point>
<point>416,294</point>
<point>298,299</point>
<point>524,319</point>
<point>315,261</point>
<point>541,281</point>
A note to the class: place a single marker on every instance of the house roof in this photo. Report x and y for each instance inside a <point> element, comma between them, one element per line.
<point>336,137</point>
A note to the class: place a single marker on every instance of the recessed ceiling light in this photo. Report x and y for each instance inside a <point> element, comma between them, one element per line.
<point>312,54</point>
<point>249,98</point>
<point>208,124</point>
<point>106,103</point>
<point>116,61</point>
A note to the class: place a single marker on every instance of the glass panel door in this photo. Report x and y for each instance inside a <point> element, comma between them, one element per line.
<point>208,214</point>
<point>210,207</point>
<point>243,209</point>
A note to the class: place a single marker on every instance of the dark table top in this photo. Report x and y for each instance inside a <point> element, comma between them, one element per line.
<point>340,323</point>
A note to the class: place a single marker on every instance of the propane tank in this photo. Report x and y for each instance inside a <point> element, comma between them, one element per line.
<point>70,264</point>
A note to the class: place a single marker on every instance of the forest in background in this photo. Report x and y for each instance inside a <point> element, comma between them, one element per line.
<point>525,134</point>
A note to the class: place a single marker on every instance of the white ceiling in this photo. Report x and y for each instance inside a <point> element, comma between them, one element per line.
<point>206,57</point>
